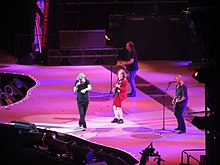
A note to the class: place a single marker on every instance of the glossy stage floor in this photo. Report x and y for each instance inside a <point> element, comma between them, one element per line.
<point>148,117</point>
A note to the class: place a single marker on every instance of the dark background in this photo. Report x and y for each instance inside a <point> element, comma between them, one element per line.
<point>159,29</point>
<point>17,26</point>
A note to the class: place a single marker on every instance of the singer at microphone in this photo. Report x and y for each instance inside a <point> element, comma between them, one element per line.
<point>172,82</point>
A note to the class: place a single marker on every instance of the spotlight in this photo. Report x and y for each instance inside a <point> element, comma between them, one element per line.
<point>200,75</point>
<point>107,38</point>
<point>25,126</point>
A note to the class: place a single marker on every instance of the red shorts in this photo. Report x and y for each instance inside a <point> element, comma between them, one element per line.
<point>117,102</point>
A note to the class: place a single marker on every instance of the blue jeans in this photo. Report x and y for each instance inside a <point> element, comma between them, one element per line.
<point>179,109</point>
<point>132,83</point>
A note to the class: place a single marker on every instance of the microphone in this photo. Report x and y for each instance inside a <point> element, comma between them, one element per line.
<point>78,83</point>
<point>172,82</point>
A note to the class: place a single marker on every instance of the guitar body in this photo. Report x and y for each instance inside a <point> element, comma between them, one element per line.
<point>176,104</point>
<point>116,90</point>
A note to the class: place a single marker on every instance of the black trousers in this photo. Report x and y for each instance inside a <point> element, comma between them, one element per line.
<point>82,108</point>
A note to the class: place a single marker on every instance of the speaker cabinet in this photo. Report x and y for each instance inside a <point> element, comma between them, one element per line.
<point>29,59</point>
<point>81,60</point>
<point>155,37</point>
<point>72,39</point>
<point>54,57</point>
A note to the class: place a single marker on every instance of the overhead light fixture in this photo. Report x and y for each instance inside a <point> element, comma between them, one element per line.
<point>200,75</point>
<point>107,38</point>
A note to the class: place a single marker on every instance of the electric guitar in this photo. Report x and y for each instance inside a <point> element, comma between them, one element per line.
<point>116,89</point>
<point>174,102</point>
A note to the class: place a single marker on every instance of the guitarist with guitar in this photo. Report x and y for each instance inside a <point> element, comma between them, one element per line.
<point>120,93</point>
<point>179,102</point>
<point>130,64</point>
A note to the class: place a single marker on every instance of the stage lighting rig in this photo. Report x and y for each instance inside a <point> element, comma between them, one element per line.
<point>149,152</point>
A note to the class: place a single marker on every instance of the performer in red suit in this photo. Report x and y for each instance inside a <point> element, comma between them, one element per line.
<point>120,93</point>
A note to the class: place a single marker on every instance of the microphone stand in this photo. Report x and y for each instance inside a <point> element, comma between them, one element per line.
<point>111,85</point>
<point>111,82</point>
<point>164,105</point>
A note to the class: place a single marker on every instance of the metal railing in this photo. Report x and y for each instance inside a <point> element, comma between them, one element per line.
<point>189,156</point>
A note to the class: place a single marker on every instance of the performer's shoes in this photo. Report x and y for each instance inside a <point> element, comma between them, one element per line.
<point>120,121</point>
<point>177,129</point>
<point>81,128</point>
<point>115,120</point>
<point>131,94</point>
<point>181,132</point>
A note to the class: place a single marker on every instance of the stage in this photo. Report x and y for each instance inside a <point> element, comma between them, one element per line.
<point>51,105</point>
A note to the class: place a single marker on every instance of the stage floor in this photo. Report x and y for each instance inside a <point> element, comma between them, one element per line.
<point>52,105</point>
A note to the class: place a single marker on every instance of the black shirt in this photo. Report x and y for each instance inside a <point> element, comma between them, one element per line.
<point>82,96</point>
<point>134,65</point>
<point>182,91</point>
